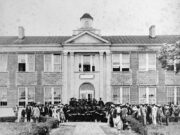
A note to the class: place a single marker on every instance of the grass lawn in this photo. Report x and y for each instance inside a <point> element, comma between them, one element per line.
<point>63,130</point>
<point>172,129</point>
<point>8,128</point>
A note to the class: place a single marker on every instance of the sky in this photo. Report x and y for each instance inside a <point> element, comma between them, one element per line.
<point>112,17</point>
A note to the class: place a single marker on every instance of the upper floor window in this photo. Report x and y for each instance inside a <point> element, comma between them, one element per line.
<point>86,63</point>
<point>3,61</point>
<point>121,62</point>
<point>147,61</point>
<point>3,96</point>
<point>26,62</point>
<point>52,63</point>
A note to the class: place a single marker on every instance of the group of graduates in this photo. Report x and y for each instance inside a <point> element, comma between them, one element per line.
<point>144,113</point>
<point>85,110</point>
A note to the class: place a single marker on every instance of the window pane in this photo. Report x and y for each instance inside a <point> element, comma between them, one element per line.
<point>126,94</point>
<point>116,62</point>
<point>152,61</point>
<point>57,94</point>
<point>57,63</point>
<point>47,63</point>
<point>31,94</point>
<point>142,61</point>
<point>31,62</point>
<point>170,94</point>
<point>22,94</point>
<point>21,58</point>
<point>3,96</point>
<point>86,60</point>
<point>125,62</point>
<point>3,61</point>
<point>116,94</point>
<point>142,95</point>
<point>152,95</point>
<point>178,95</point>
<point>47,94</point>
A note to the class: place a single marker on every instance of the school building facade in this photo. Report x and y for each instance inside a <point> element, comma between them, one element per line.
<point>87,65</point>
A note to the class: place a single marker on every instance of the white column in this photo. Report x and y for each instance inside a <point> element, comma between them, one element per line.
<point>108,76</point>
<point>64,90</point>
<point>101,74</point>
<point>175,95</point>
<point>72,93</point>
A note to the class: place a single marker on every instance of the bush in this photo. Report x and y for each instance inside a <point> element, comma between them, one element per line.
<point>136,125</point>
<point>52,123</point>
<point>40,129</point>
<point>8,119</point>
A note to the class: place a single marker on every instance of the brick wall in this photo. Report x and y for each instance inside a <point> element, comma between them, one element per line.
<point>26,78</point>
<point>12,94</point>
<point>4,78</point>
<point>121,78</point>
<point>134,93</point>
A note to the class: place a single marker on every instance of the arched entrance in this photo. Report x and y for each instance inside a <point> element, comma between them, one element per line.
<point>86,91</point>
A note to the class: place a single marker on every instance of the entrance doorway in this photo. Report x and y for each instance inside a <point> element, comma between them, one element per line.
<point>87,91</point>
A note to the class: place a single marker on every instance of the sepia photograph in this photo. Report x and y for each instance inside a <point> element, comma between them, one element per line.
<point>89,67</point>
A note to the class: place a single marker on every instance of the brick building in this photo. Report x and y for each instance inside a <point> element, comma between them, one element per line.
<point>85,65</point>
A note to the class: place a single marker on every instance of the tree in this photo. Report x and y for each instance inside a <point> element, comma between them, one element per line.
<point>169,56</point>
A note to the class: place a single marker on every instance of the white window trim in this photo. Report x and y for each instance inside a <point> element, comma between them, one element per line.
<point>6,64</point>
<point>52,63</point>
<point>120,61</point>
<point>147,62</point>
<point>27,63</point>
<point>52,93</point>
<point>147,94</point>
<point>120,100</point>
<point>175,93</point>
<point>6,95</point>
<point>26,94</point>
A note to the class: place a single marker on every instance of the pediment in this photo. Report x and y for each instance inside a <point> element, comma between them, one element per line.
<point>86,38</point>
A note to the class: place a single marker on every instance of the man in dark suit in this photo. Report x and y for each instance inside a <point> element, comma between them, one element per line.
<point>28,113</point>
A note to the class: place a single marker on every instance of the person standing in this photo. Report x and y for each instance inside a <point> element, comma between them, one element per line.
<point>36,114</point>
<point>143,111</point>
<point>167,114</point>
<point>28,113</point>
<point>160,114</point>
<point>154,114</point>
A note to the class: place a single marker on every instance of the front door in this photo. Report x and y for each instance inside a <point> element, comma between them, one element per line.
<point>86,94</point>
<point>87,91</point>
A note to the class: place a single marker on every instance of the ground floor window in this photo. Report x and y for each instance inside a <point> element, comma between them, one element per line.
<point>52,95</point>
<point>3,96</point>
<point>26,95</point>
<point>121,94</point>
<point>147,95</point>
<point>173,94</point>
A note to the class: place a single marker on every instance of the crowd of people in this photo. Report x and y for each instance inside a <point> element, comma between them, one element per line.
<point>144,113</point>
<point>93,110</point>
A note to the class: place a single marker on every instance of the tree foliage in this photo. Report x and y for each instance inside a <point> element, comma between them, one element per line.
<point>169,56</point>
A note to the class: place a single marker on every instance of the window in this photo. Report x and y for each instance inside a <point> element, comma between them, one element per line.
<point>86,63</point>
<point>121,62</point>
<point>121,94</point>
<point>147,61</point>
<point>52,95</point>
<point>26,95</point>
<point>26,62</point>
<point>52,63</point>
<point>147,95</point>
<point>3,61</point>
<point>3,96</point>
<point>173,95</point>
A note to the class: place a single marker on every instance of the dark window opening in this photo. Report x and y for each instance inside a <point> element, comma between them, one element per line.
<point>86,68</point>
<point>22,67</point>
<point>116,69</point>
<point>3,103</point>
<point>93,68</point>
<point>22,103</point>
<point>125,69</point>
